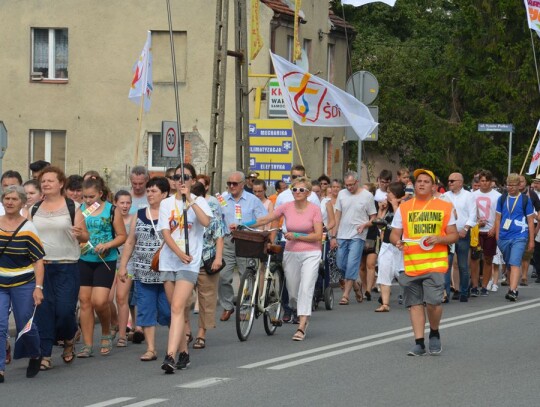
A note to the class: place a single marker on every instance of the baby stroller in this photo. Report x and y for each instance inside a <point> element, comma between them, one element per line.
<point>323,290</point>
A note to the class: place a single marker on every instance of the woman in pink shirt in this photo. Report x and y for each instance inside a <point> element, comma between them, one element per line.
<point>302,250</point>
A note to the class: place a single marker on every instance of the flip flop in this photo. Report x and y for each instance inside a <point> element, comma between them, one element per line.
<point>344,301</point>
<point>148,356</point>
<point>383,308</point>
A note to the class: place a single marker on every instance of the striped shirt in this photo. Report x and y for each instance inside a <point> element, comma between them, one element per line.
<point>16,264</point>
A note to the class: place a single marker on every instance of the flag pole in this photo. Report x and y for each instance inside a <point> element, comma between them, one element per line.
<point>535,63</point>
<point>528,152</point>
<point>138,140</point>
<point>297,146</point>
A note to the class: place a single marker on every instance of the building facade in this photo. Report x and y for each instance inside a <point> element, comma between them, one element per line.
<point>68,68</point>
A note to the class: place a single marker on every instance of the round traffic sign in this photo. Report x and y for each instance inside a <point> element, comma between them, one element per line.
<point>170,139</point>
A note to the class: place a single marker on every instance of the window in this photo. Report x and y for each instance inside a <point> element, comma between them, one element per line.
<point>330,68</point>
<point>155,161</point>
<point>50,52</point>
<point>327,156</point>
<point>48,145</point>
<point>290,48</point>
<point>306,47</point>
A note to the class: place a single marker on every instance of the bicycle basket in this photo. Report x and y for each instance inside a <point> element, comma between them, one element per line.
<point>250,244</point>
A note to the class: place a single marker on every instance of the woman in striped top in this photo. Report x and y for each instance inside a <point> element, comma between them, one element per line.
<point>21,279</point>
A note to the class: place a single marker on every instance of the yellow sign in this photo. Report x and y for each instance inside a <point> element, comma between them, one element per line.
<point>270,149</point>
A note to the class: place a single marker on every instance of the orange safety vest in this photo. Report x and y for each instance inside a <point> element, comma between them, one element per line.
<point>425,218</point>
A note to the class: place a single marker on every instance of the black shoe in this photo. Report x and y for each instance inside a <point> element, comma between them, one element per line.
<point>511,296</point>
<point>463,298</point>
<point>33,367</point>
<point>138,336</point>
<point>537,280</point>
<point>168,364</point>
<point>183,361</point>
<point>367,295</point>
<point>455,295</point>
<point>1,377</point>
<point>296,319</point>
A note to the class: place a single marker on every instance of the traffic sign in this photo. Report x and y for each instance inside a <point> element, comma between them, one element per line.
<point>494,127</point>
<point>169,139</point>
<point>363,85</point>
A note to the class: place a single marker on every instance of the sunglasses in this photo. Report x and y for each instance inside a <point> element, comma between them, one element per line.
<point>451,181</point>
<point>295,176</point>
<point>233,183</point>
<point>178,177</point>
<point>300,189</point>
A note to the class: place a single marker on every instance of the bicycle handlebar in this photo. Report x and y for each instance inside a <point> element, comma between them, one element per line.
<point>242,227</point>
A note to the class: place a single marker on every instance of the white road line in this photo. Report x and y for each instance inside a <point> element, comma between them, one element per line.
<point>209,381</point>
<point>376,336</point>
<point>395,338</point>
<point>148,402</point>
<point>111,402</point>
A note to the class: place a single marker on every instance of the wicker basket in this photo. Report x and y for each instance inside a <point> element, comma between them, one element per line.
<point>250,244</point>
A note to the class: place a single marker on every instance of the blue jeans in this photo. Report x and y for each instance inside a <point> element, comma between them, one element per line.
<point>152,305</point>
<point>349,257</point>
<point>55,317</point>
<point>22,304</point>
<point>462,252</point>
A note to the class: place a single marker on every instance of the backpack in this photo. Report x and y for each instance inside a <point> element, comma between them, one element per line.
<point>524,201</point>
<point>70,205</point>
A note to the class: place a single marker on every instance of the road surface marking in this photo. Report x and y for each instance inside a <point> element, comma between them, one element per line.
<point>209,381</point>
<point>111,402</point>
<point>380,335</point>
<point>148,402</point>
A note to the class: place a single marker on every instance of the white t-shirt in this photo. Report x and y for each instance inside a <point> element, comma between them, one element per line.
<point>380,195</point>
<point>486,205</point>
<point>170,213</point>
<point>355,211</point>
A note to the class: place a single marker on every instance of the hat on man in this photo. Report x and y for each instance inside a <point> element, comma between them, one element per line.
<point>253,174</point>
<point>424,171</point>
<point>537,179</point>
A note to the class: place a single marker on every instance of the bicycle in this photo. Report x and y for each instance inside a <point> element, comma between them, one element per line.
<point>254,300</point>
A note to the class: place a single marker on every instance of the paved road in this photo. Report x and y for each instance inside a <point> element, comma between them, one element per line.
<point>351,357</point>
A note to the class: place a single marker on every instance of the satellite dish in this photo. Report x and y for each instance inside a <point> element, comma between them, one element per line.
<point>303,62</point>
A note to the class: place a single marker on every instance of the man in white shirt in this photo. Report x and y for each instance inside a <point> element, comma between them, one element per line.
<point>355,211</point>
<point>465,212</point>
<point>486,203</point>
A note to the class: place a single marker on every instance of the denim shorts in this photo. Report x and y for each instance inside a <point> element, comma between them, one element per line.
<point>349,257</point>
<point>152,305</point>
<point>179,275</point>
<point>512,250</point>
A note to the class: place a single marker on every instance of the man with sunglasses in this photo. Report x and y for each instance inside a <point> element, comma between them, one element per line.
<point>241,207</point>
<point>465,213</point>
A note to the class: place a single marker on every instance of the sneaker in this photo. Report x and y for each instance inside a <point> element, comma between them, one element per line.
<point>435,347</point>
<point>494,288</point>
<point>483,292</point>
<point>504,282</point>
<point>490,284</point>
<point>511,296</point>
<point>168,364</point>
<point>463,298</point>
<point>417,350</point>
<point>475,292</point>
<point>183,361</point>
<point>534,274</point>
<point>287,317</point>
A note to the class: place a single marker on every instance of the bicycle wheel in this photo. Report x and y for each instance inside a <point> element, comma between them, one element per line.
<point>329,298</point>
<point>245,304</point>
<point>272,303</point>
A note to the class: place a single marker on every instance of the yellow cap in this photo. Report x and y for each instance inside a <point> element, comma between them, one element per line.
<point>423,171</point>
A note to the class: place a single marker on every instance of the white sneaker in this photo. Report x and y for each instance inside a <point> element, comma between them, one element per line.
<point>494,288</point>
<point>490,284</point>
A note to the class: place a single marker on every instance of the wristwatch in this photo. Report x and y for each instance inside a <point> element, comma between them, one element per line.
<point>39,286</point>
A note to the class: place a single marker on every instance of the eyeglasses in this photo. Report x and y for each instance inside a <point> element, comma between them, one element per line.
<point>451,181</point>
<point>300,189</point>
<point>178,177</point>
<point>350,185</point>
<point>295,176</point>
<point>233,183</point>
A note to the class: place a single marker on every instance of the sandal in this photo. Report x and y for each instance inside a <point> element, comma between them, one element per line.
<point>68,355</point>
<point>138,336</point>
<point>114,331</point>
<point>189,338</point>
<point>8,353</point>
<point>344,301</point>
<point>200,343</point>
<point>77,337</point>
<point>122,342</point>
<point>46,364</point>
<point>383,308</point>
<point>299,335</point>
<point>85,352</point>
<point>106,348</point>
<point>148,356</point>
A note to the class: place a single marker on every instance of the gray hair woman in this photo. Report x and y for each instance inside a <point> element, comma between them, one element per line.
<point>21,279</point>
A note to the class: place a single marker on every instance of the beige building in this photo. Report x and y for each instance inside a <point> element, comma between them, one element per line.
<point>67,68</point>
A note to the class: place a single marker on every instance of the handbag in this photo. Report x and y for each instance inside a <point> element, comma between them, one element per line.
<point>207,265</point>
<point>154,264</point>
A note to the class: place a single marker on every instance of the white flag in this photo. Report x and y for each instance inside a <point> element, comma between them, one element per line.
<point>533,15</point>
<point>358,3</point>
<point>311,101</point>
<point>535,159</point>
<point>141,84</point>
<point>28,325</point>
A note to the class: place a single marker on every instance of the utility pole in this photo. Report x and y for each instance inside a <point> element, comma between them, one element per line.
<point>217,120</point>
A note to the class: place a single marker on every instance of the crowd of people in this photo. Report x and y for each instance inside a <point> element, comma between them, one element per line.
<point>70,249</point>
